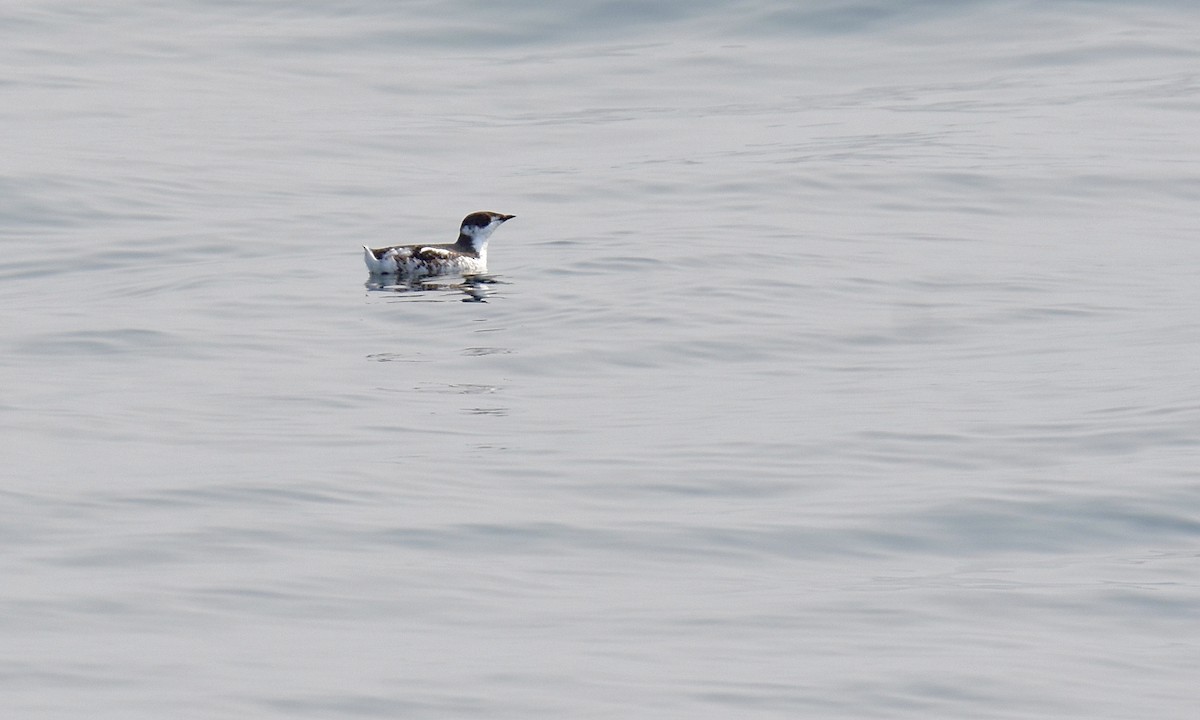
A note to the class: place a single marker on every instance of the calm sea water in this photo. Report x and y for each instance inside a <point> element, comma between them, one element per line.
<point>841,361</point>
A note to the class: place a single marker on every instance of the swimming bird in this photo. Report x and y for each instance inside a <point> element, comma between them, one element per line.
<point>468,256</point>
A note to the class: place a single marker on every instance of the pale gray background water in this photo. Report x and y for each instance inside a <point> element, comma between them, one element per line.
<point>843,363</point>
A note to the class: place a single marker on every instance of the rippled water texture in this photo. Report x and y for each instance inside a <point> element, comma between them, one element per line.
<point>840,361</point>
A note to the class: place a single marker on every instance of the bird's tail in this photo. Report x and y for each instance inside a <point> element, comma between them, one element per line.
<point>372,262</point>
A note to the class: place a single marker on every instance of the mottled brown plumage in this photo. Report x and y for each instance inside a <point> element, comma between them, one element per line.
<point>468,255</point>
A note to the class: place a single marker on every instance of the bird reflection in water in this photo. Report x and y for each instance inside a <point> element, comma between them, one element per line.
<point>477,288</point>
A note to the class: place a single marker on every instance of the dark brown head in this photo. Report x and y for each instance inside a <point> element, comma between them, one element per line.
<point>477,227</point>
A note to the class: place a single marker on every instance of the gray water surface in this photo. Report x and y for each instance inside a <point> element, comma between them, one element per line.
<point>840,363</point>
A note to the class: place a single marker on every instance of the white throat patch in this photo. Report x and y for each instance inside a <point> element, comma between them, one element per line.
<point>479,235</point>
